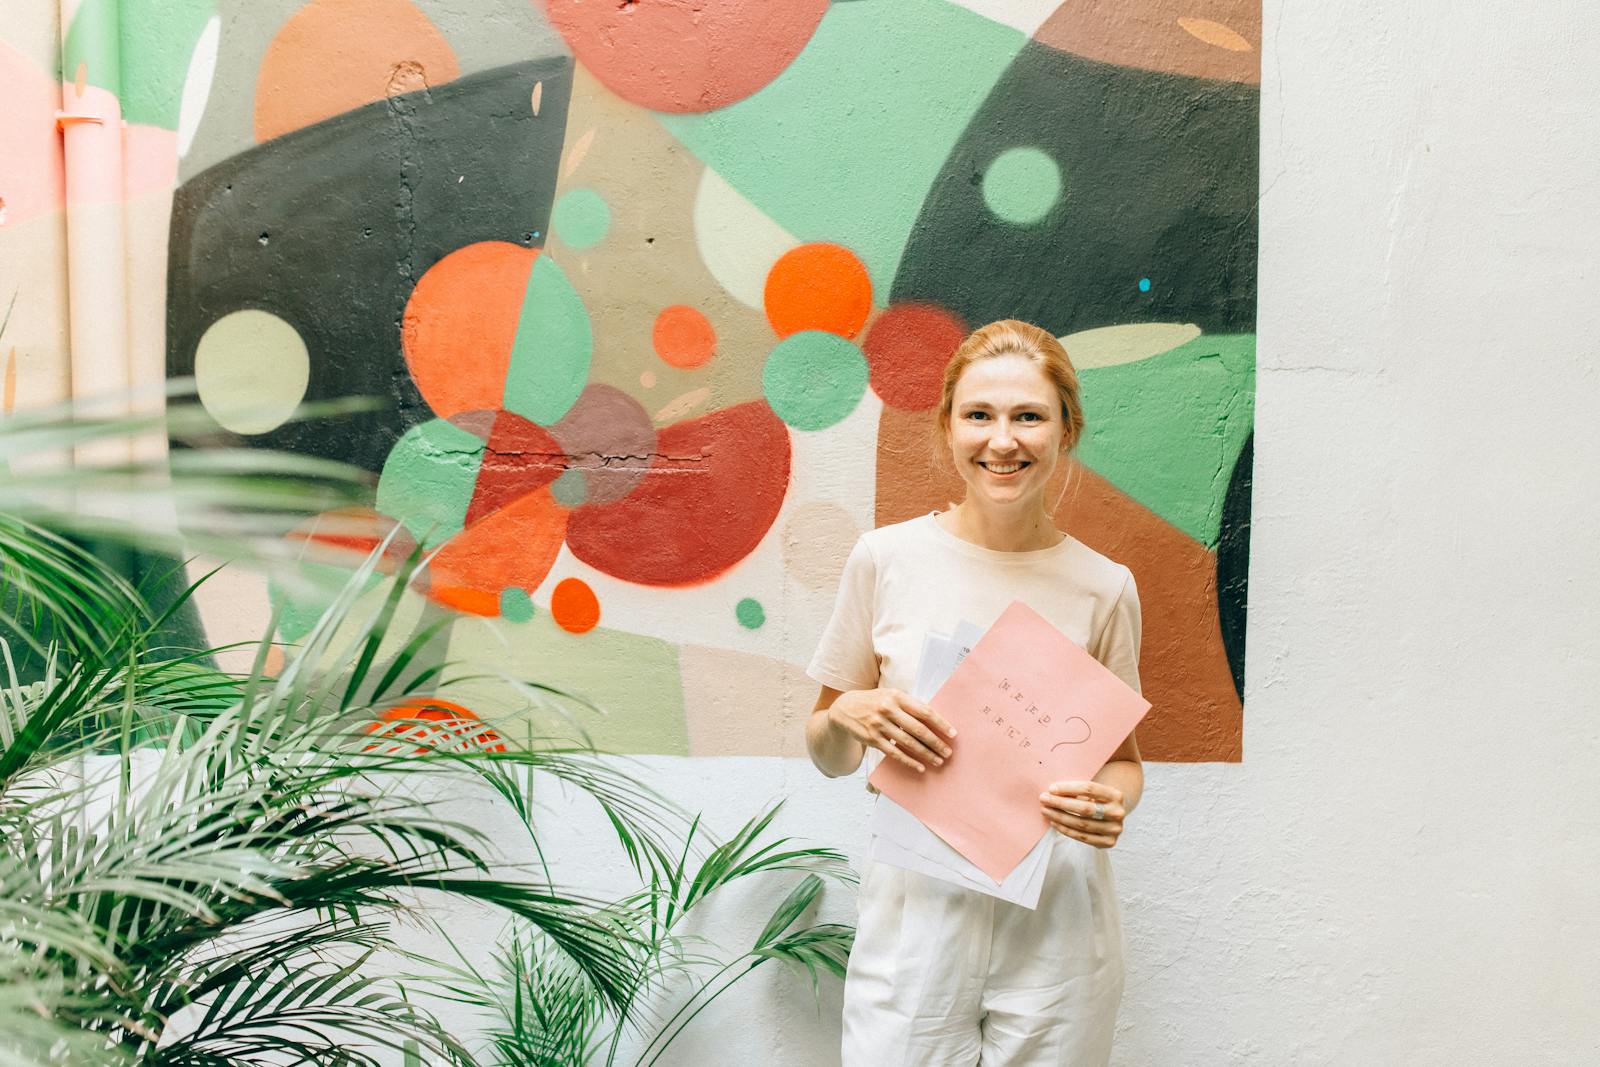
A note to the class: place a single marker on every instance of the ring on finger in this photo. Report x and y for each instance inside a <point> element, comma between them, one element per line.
<point>1099,813</point>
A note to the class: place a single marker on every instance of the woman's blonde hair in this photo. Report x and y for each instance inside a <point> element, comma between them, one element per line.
<point>1010,337</point>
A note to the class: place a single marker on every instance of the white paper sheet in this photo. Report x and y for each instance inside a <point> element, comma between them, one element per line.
<point>901,840</point>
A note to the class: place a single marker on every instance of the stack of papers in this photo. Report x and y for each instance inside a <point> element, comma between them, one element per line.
<point>1030,707</point>
<point>900,839</point>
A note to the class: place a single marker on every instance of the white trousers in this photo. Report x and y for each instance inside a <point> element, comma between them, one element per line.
<point>941,976</point>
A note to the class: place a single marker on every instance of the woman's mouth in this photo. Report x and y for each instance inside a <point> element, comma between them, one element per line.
<point>1002,468</point>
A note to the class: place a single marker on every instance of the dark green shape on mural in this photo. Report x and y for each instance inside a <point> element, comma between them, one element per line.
<point>1158,180</point>
<point>329,228</point>
<point>1233,563</point>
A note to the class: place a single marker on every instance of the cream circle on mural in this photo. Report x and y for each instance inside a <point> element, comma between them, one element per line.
<point>1022,185</point>
<point>817,539</point>
<point>251,370</point>
<point>738,242</point>
<point>1111,346</point>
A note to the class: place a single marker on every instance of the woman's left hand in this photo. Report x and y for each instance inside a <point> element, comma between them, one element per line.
<point>1072,808</point>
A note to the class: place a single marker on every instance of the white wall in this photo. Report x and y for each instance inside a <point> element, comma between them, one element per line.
<point>1403,868</point>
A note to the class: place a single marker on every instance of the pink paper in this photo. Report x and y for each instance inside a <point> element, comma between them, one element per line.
<point>1030,708</point>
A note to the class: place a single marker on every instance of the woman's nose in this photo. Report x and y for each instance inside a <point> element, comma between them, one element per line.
<point>1002,438</point>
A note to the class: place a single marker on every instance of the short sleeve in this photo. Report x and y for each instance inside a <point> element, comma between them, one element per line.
<point>845,658</point>
<point>1118,647</point>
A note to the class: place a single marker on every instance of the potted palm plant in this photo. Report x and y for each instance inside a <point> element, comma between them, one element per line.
<point>204,868</point>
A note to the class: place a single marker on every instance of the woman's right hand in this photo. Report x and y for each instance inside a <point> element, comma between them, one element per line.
<point>895,723</point>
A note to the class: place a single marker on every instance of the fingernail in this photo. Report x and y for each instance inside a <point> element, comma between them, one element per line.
<point>938,763</point>
<point>920,768</point>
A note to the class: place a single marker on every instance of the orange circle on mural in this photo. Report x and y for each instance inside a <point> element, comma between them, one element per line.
<point>460,324</point>
<point>818,287</point>
<point>683,337</point>
<point>574,605</point>
<point>332,56</point>
<point>446,712</point>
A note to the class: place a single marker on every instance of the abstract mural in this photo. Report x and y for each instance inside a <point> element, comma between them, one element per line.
<point>655,297</point>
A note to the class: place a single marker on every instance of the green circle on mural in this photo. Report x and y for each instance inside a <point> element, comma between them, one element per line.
<point>571,489</point>
<point>515,604</point>
<point>813,379</point>
<point>251,370</point>
<point>1022,185</point>
<point>750,614</point>
<point>581,218</point>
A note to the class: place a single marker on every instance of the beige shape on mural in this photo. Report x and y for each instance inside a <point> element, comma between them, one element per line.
<point>680,406</point>
<point>575,154</point>
<point>1110,346</point>
<point>738,242</point>
<point>649,259</point>
<point>817,539</point>
<point>743,704</point>
<point>538,97</point>
<point>1214,33</point>
<point>251,370</point>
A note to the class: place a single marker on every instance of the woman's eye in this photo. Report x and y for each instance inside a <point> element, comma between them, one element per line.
<point>977,414</point>
<point>1031,416</point>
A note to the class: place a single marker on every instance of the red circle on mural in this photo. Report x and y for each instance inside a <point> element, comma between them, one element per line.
<point>685,55</point>
<point>907,349</point>
<point>683,337</point>
<point>818,287</point>
<point>715,487</point>
<point>574,605</point>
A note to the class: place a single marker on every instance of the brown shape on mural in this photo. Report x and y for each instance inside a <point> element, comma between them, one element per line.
<point>336,55</point>
<point>1196,716</point>
<point>1217,39</point>
<point>649,260</point>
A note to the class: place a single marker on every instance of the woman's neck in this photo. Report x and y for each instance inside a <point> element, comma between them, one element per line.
<point>1023,531</point>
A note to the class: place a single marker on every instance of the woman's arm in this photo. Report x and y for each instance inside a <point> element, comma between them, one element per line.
<point>1070,806</point>
<point>1124,772</point>
<point>900,726</point>
<point>834,752</point>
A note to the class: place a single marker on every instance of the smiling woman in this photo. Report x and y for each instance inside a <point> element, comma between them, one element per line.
<point>969,979</point>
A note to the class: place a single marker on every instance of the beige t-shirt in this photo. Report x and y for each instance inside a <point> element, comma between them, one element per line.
<point>906,580</point>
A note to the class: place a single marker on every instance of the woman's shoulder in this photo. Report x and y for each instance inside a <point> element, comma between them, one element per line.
<point>898,537</point>
<point>1094,568</point>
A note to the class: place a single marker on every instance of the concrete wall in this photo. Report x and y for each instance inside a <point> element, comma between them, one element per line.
<point>615,292</point>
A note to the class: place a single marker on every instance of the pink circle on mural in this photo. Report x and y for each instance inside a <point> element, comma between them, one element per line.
<point>686,55</point>
<point>684,337</point>
<point>608,436</point>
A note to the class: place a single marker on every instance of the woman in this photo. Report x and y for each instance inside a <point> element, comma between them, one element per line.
<point>941,974</point>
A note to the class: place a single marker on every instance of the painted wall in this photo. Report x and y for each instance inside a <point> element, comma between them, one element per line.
<point>33,263</point>
<point>1401,871</point>
<point>657,296</point>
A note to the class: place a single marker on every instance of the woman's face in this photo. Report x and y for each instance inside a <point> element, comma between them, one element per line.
<point>1006,432</point>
